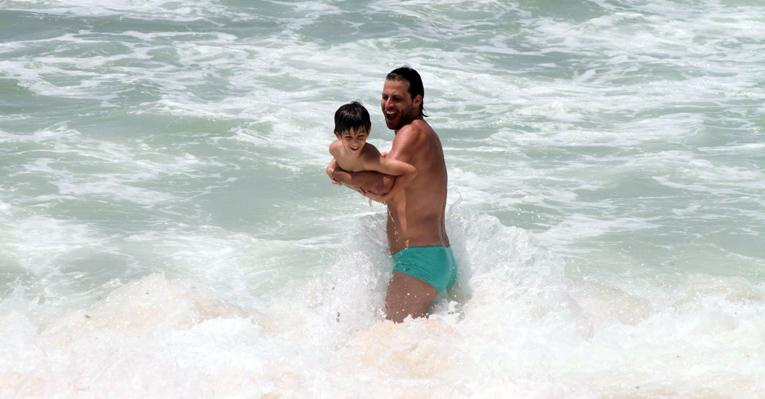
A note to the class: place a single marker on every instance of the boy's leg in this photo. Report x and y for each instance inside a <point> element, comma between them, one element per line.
<point>407,296</point>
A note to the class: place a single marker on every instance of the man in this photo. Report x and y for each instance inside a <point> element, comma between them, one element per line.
<point>424,264</point>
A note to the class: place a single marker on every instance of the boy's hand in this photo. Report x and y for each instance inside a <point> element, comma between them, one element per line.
<point>331,171</point>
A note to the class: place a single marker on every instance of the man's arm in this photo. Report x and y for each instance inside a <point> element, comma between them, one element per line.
<point>363,182</point>
<point>400,157</point>
<point>403,172</point>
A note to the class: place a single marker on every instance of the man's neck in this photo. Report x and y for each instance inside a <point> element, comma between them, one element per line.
<point>418,117</point>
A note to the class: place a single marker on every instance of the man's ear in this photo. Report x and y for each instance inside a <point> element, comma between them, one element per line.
<point>417,101</point>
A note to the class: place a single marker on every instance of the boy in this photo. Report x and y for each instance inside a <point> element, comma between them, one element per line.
<point>352,153</point>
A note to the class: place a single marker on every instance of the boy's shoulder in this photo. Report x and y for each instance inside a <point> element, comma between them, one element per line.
<point>334,147</point>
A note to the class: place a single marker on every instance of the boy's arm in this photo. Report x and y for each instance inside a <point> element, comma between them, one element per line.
<point>334,171</point>
<point>337,174</point>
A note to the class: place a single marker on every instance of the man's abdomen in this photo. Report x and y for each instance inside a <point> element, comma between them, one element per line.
<point>422,230</point>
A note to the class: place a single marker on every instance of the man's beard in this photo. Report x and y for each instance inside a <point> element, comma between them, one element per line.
<point>403,120</point>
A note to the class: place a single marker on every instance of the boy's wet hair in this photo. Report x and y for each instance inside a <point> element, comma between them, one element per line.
<point>352,116</point>
<point>408,74</point>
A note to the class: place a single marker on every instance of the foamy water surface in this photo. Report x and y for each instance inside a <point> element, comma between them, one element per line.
<point>167,229</point>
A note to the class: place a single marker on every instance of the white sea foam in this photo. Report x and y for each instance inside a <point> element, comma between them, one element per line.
<point>576,227</point>
<point>518,326</point>
<point>118,169</point>
<point>39,243</point>
<point>148,9</point>
<point>204,253</point>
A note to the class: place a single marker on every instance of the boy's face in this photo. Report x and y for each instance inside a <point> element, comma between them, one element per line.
<point>353,140</point>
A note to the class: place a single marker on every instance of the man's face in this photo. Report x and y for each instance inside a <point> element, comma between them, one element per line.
<point>397,104</point>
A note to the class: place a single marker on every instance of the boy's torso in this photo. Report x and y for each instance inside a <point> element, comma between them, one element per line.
<point>351,163</point>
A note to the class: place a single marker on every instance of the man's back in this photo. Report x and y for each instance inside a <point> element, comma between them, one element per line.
<point>426,194</point>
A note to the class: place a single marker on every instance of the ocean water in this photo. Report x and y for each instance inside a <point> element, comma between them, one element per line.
<point>167,229</point>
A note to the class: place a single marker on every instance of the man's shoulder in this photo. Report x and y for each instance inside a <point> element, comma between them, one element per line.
<point>370,157</point>
<point>420,126</point>
<point>417,129</point>
<point>370,150</point>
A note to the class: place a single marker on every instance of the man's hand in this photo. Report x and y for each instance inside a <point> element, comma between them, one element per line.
<point>375,197</point>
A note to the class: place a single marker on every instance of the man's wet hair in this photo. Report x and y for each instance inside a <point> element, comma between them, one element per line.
<point>408,74</point>
<point>352,116</point>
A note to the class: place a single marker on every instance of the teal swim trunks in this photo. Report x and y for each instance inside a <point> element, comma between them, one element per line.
<point>434,265</point>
